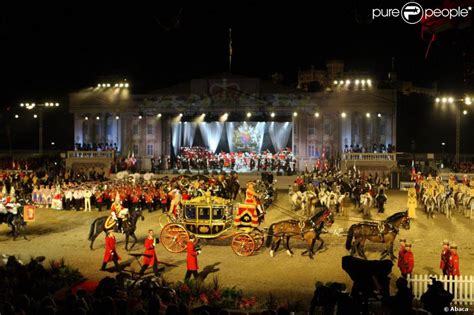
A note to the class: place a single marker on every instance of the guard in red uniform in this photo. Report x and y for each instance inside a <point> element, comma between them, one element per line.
<point>110,251</point>
<point>453,265</point>
<point>149,256</point>
<point>445,254</point>
<point>191,259</point>
<point>406,262</point>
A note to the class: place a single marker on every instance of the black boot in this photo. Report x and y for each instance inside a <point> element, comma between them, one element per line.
<point>142,271</point>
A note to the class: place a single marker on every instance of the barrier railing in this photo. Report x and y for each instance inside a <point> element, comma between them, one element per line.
<point>91,154</point>
<point>369,156</point>
<point>461,287</point>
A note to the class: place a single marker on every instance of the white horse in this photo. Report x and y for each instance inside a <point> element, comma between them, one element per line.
<point>296,200</point>
<point>366,202</point>
<point>310,200</point>
<point>448,206</point>
<point>344,202</point>
<point>430,205</point>
<point>469,207</point>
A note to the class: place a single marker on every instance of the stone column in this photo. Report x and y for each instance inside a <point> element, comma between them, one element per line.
<point>78,129</point>
<point>345,130</point>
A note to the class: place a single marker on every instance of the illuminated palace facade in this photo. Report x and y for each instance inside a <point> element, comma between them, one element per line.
<point>347,109</point>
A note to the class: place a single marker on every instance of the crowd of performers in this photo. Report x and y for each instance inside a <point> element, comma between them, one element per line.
<point>202,158</point>
<point>126,191</point>
<point>445,197</point>
<point>337,190</point>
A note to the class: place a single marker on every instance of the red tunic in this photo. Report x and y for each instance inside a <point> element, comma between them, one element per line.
<point>454,265</point>
<point>191,260</point>
<point>149,251</point>
<point>445,254</point>
<point>407,263</point>
<point>401,254</point>
<point>110,250</point>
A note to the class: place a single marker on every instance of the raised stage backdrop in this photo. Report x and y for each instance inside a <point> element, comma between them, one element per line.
<point>232,136</point>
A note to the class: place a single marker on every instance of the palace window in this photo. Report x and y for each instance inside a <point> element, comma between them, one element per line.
<point>135,149</point>
<point>135,129</point>
<point>327,129</point>
<point>149,129</point>
<point>311,150</point>
<point>311,131</point>
<point>149,149</point>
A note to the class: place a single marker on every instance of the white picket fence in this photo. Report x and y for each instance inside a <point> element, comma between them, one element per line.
<point>462,287</point>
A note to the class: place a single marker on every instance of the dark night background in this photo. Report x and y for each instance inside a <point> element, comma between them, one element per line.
<point>48,51</point>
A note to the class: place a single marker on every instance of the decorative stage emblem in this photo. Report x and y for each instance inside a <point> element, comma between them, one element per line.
<point>245,138</point>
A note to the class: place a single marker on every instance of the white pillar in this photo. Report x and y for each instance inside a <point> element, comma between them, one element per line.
<point>78,130</point>
<point>346,131</point>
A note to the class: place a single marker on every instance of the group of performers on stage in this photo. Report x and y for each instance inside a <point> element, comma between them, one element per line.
<point>202,158</point>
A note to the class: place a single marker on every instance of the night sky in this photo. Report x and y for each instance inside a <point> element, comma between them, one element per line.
<point>48,51</point>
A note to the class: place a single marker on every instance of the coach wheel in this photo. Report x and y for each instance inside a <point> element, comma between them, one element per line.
<point>174,237</point>
<point>243,244</point>
<point>259,239</point>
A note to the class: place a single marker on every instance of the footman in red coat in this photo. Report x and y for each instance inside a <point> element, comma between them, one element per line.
<point>149,256</point>
<point>110,251</point>
<point>407,261</point>
<point>453,269</point>
<point>191,260</point>
<point>445,254</point>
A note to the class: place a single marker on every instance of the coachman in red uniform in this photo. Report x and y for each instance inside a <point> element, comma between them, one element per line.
<point>191,259</point>
<point>149,256</point>
<point>453,265</point>
<point>401,251</point>
<point>110,251</point>
<point>406,260</point>
<point>445,254</point>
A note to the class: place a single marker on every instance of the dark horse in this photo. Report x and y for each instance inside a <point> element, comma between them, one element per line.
<point>308,230</point>
<point>129,226</point>
<point>15,222</point>
<point>383,232</point>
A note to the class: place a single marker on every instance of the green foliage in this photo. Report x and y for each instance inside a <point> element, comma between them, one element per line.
<point>197,293</point>
<point>63,275</point>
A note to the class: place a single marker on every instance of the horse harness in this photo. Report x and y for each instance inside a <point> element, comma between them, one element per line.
<point>302,224</point>
<point>381,229</point>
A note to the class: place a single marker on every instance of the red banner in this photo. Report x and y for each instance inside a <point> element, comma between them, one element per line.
<point>29,213</point>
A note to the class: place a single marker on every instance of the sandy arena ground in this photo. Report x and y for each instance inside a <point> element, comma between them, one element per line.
<point>57,234</point>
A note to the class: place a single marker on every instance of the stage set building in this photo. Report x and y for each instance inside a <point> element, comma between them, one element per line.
<point>327,113</point>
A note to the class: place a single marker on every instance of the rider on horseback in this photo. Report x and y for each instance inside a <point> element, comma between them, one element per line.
<point>119,214</point>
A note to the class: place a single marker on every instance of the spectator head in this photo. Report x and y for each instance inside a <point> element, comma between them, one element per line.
<point>401,283</point>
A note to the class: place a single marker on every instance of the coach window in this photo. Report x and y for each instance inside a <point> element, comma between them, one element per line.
<point>217,213</point>
<point>204,213</point>
<point>190,212</point>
